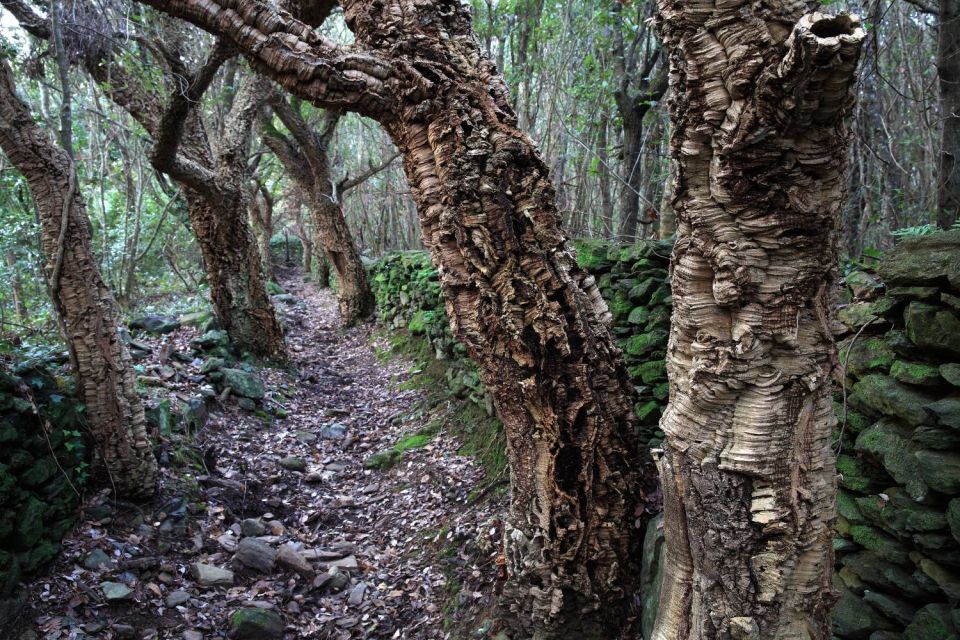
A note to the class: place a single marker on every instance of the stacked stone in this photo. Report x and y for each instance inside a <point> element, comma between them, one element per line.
<point>899,440</point>
<point>635,282</point>
<point>407,290</point>
<point>36,500</point>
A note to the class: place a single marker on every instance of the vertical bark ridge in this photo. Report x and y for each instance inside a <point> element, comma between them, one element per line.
<point>759,98</point>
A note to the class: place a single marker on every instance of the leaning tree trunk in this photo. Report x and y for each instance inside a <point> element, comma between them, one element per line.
<point>759,101</point>
<point>354,297</point>
<point>948,70</point>
<point>105,373</point>
<point>533,321</point>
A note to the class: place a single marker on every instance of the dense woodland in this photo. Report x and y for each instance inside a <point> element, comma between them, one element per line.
<point>502,318</point>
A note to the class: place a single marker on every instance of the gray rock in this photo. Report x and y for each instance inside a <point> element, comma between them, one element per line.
<point>293,463</point>
<point>933,328</point>
<point>338,579</point>
<point>211,339</point>
<point>177,598</point>
<point>243,383</point>
<point>247,404</point>
<point>115,591</point>
<point>923,261</point>
<point>124,632</point>
<point>853,618</point>
<point>289,558</point>
<point>940,470</point>
<point>305,436</point>
<point>947,411</point>
<point>208,575</point>
<point>951,373</point>
<point>333,431</point>
<point>253,528</point>
<point>255,624</point>
<point>356,594</point>
<point>97,559</point>
<point>256,554</point>
<point>155,324</point>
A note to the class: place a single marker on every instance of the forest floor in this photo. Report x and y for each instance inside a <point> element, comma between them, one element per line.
<point>288,508</point>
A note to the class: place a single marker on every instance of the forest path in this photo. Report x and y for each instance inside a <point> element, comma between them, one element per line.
<point>340,551</point>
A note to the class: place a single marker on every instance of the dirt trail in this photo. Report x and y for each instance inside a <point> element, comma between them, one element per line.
<point>396,536</point>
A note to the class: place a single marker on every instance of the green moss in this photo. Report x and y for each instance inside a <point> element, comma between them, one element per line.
<point>415,441</point>
<point>881,544</point>
<point>915,373</point>
<point>644,343</point>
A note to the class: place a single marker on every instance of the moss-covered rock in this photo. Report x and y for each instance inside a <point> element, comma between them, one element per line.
<point>885,546</point>
<point>917,373</point>
<point>926,261</point>
<point>863,356</point>
<point>255,624</point>
<point>242,383</point>
<point>882,395</point>
<point>644,343</point>
<point>853,618</point>
<point>933,328</point>
<point>946,411</point>
<point>932,622</point>
<point>940,470</point>
<point>890,443</point>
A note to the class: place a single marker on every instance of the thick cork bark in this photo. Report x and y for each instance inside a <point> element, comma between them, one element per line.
<point>105,374</point>
<point>760,94</point>
<point>533,321</point>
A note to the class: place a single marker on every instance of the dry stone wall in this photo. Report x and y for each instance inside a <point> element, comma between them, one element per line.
<point>898,406</point>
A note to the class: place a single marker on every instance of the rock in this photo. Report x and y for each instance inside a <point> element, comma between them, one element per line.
<point>645,343</point>
<point>857,314</point>
<point>155,324</point>
<point>854,619</point>
<point>890,607</point>
<point>114,591</point>
<point>195,319</point>
<point>247,404</point>
<point>192,634</point>
<point>256,554</point>
<point>333,431</point>
<point>855,474</point>
<point>925,375</point>
<point>948,581</point>
<point>865,355</point>
<point>940,470</point>
<point>97,559</point>
<point>933,622</point>
<point>899,514</point>
<point>293,463</point>
<point>210,576</point>
<point>939,438</point>
<point>356,594</point>
<point>882,395</point>
<point>177,598</point>
<point>925,261</point>
<point>891,444</point>
<point>124,631</point>
<point>926,294</point>
<point>873,570</point>
<point>306,437</point>
<point>243,383</point>
<point>947,411</point>
<point>865,286</point>
<point>253,528</point>
<point>951,373</point>
<point>953,518</point>
<point>933,328</point>
<point>289,558</point>
<point>383,459</point>
<point>881,544</point>
<point>211,339</point>
<point>212,363</point>
<point>338,579</point>
<point>255,624</point>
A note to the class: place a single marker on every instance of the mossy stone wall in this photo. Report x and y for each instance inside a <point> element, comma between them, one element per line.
<point>37,467</point>
<point>898,406</point>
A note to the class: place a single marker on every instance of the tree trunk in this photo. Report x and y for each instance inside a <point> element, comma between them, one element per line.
<point>16,288</point>
<point>235,275</point>
<point>948,70</point>
<point>304,155</point>
<point>534,322</point>
<point>632,174</point>
<point>106,378</point>
<point>760,145</point>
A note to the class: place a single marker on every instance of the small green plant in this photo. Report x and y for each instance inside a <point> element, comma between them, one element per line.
<point>914,232</point>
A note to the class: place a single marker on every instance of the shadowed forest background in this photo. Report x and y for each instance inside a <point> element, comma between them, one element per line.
<point>501,319</point>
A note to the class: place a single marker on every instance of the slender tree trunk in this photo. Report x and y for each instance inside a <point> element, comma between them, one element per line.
<point>16,287</point>
<point>632,175</point>
<point>105,373</point>
<point>304,155</point>
<point>760,144</point>
<point>948,70</point>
